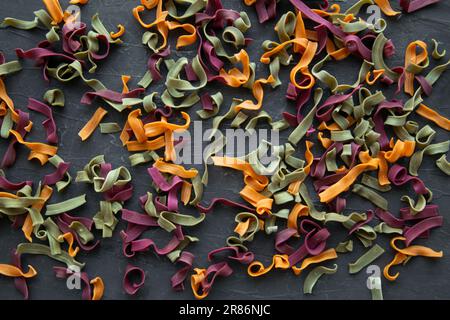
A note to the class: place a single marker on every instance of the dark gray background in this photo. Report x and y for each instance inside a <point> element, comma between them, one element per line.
<point>420,279</point>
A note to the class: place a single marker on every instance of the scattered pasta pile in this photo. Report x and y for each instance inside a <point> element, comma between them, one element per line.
<point>356,140</point>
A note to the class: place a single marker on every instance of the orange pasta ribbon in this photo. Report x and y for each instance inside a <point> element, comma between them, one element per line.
<point>99,288</point>
<point>159,22</point>
<point>137,125</point>
<point>324,256</point>
<point>186,191</point>
<point>70,240</point>
<point>234,77</point>
<point>385,6</point>
<point>55,10</point>
<point>337,54</point>
<point>344,184</point>
<point>299,210</point>
<point>196,280</point>
<point>430,114</point>
<point>149,145</point>
<point>119,32</point>
<point>302,66</point>
<point>39,150</point>
<point>92,124</point>
<point>79,1</point>
<point>187,39</point>
<point>27,228</point>
<point>309,157</point>
<point>256,181</point>
<point>376,75</point>
<point>242,227</point>
<point>258,93</point>
<point>174,169</point>
<point>14,272</point>
<point>326,142</point>
<point>400,149</point>
<point>262,203</point>
<point>7,102</point>
<point>412,58</point>
<point>383,179</point>
<point>403,254</point>
<point>257,269</point>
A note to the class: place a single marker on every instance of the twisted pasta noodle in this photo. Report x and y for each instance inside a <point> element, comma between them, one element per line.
<point>54,97</point>
<point>40,249</point>
<point>324,256</point>
<point>370,195</point>
<point>443,164</point>
<point>342,185</point>
<point>64,206</point>
<point>38,150</point>
<point>371,255</point>
<point>314,275</point>
<point>344,247</point>
<point>403,255</point>
<point>14,272</point>
<point>257,269</point>
<point>436,54</point>
<point>41,18</point>
<point>432,149</point>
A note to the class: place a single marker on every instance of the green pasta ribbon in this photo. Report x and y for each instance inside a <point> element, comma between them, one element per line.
<point>367,258</point>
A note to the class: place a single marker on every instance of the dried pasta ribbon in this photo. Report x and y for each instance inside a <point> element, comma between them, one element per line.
<point>242,227</point>
<point>175,169</point>
<point>92,124</point>
<point>156,128</point>
<point>119,32</point>
<point>324,256</point>
<point>196,282</point>
<point>415,250</point>
<point>376,75</point>
<point>262,203</point>
<point>385,6</point>
<point>302,66</point>
<point>257,269</point>
<point>70,240</point>
<point>27,228</point>
<point>186,191</point>
<point>159,22</point>
<point>234,77</point>
<point>55,10</point>
<point>184,40</point>
<point>344,184</point>
<point>400,149</point>
<point>99,288</point>
<point>14,272</point>
<point>299,210</point>
<point>5,99</point>
<point>403,255</point>
<point>324,141</point>
<point>430,114</point>
<point>137,125</point>
<point>258,93</point>
<point>252,179</point>
<point>337,54</point>
<point>412,58</point>
<point>79,1</point>
<point>149,145</point>
<point>383,178</point>
<point>38,150</point>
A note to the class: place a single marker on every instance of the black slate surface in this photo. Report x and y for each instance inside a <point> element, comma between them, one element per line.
<point>420,279</point>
